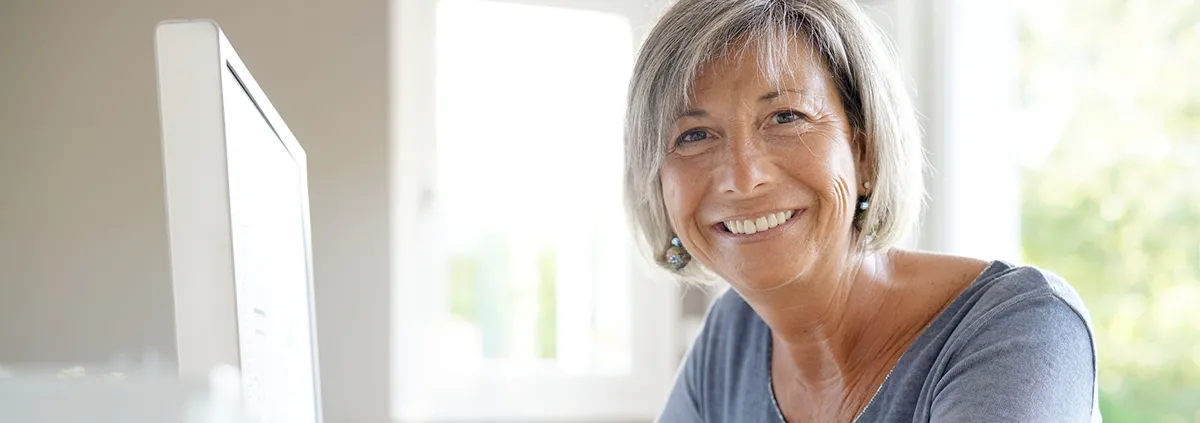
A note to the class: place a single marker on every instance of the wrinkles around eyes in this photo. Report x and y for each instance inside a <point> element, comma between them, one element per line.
<point>820,133</point>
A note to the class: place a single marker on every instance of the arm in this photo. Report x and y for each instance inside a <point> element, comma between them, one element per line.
<point>1030,359</point>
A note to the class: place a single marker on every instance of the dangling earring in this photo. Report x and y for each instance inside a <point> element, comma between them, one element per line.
<point>863,203</point>
<point>862,199</point>
<point>677,257</point>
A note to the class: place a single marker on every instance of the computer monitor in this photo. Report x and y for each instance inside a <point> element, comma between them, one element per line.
<point>238,222</point>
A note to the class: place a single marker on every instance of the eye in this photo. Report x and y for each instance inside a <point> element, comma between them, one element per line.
<point>787,116</point>
<point>692,136</point>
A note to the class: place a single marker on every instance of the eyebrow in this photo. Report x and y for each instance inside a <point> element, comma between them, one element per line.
<point>775,94</point>
<point>769,96</point>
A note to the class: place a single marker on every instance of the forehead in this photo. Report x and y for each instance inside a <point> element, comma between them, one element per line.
<point>758,67</point>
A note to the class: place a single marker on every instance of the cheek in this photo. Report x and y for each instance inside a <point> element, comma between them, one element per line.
<point>676,191</point>
<point>841,196</point>
<point>839,172</point>
<point>822,160</point>
<point>826,164</point>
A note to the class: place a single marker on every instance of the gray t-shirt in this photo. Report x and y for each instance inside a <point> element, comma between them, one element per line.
<point>1015,346</point>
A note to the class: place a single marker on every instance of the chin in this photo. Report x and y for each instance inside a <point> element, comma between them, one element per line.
<point>763,273</point>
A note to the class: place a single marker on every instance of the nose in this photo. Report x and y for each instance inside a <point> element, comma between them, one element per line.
<point>748,169</point>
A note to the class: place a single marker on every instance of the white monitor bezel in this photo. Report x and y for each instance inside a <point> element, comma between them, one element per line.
<point>191,56</point>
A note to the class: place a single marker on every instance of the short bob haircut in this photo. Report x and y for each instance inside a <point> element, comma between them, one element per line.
<point>858,58</point>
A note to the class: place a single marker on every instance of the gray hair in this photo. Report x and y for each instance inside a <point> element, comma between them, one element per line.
<point>859,60</point>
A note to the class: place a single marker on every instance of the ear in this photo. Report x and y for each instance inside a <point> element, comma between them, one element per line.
<point>864,161</point>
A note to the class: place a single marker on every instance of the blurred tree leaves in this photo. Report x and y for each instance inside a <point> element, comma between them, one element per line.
<point>1114,205</point>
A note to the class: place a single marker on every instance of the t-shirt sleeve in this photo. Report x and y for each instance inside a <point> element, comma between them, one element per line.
<point>1030,359</point>
<point>683,403</point>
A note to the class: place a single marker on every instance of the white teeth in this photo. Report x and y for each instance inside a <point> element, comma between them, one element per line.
<point>750,227</point>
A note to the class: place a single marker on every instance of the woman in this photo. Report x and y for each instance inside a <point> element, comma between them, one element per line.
<point>770,143</point>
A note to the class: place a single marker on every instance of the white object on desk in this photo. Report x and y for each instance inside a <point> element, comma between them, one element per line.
<point>237,200</point>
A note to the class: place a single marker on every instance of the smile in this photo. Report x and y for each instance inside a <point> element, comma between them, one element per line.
<point>761,224</point>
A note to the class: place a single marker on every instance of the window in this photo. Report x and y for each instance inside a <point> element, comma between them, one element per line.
<point>519,293</point>
<point>1111,186</point>
<point>532,239</point>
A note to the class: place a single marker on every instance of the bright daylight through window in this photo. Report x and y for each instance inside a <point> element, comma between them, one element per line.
<point>532,241</point>
<point>1111,187</point>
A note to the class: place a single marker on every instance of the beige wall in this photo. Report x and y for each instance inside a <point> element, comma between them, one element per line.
<point>83,262</point>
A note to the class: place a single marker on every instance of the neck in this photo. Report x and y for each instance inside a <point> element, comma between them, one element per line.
<point>827,329</point>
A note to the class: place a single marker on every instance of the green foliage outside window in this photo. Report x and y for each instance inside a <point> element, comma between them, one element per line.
<point>1114,207</point>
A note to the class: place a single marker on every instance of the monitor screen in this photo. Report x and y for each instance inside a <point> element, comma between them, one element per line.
<point>274,333</point>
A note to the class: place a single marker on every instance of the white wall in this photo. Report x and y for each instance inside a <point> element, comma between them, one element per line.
<point>83,261</point>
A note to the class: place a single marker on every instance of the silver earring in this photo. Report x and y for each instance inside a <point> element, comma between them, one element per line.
<point>862,199</point>
<point>677,257</point>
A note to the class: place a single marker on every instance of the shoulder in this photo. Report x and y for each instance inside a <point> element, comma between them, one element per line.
<point>1029,327</point>
<point>1008,300</point>
<point>997,294</point>
<point>1004,288</point>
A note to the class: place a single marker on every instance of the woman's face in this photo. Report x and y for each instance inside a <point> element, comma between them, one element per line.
<point>760,180</point>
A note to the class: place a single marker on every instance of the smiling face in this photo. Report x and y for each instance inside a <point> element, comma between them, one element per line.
<point>761,179</point>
